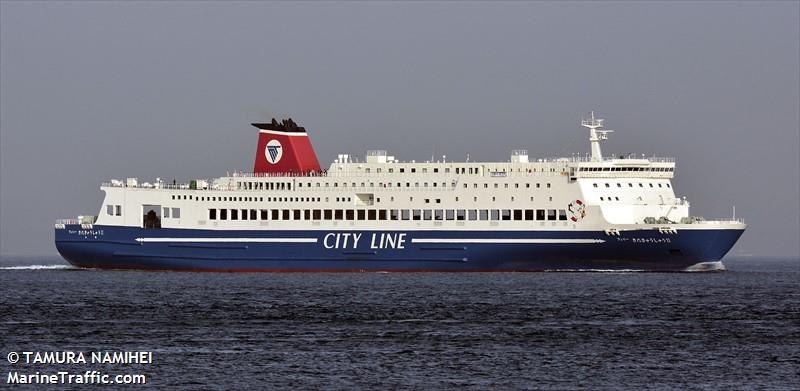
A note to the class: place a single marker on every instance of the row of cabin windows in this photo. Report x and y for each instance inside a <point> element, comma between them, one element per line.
<point>647,169</point>
<point>263,185</point>
<point>423,184</point>
<point>114,210</point>
<point>371,184</point>
<point>424,170</point>
<point>390,214</point>
<point>505,185</point>
<point>252,199</point>
<point>311,199</point>
<point>631,184</point>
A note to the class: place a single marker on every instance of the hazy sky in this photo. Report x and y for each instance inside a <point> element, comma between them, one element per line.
<point>92,90</point>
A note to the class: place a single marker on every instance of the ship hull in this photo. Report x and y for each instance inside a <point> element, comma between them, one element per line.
<point>114,247</point>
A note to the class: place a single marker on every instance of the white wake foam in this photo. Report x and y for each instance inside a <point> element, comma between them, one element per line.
<point>717,266</point>
<point>38,267</point>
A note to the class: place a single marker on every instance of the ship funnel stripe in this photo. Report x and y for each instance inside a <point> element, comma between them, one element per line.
<point>278,132</point>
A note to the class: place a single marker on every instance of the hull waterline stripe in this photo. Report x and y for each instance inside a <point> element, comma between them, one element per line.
<point>510,241</point>
<point>226,240</point>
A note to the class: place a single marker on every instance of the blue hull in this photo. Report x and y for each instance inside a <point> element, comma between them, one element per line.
<point>113,247</point>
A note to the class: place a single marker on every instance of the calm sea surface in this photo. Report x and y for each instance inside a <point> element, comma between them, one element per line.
<point>738,329</point>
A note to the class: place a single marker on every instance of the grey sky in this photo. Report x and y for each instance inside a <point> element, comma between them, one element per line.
<point>91,91</point>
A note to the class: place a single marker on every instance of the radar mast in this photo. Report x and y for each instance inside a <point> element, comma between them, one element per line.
<point>595,135</point>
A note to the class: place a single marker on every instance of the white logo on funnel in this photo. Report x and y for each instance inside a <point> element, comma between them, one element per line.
<point>274,151</point>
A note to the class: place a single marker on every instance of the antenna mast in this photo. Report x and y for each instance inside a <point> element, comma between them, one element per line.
<point>595,135</point>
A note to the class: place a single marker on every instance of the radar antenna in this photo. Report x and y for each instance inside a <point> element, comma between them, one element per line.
<point>595,135</point>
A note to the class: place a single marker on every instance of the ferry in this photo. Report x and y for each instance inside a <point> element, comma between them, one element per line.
<point>380,213</point>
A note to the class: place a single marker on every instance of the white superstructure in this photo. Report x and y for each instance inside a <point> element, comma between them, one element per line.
<point>515,194</point>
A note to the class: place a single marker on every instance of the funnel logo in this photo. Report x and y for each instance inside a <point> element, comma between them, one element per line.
<point>273,152</point>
